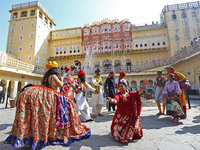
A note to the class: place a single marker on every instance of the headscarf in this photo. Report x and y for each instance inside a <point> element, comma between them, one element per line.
<point>173,70</point>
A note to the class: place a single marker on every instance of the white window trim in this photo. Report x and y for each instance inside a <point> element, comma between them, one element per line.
<point>37,59</point>
<point>31,35</point>
<point>30,46</point>
<point>20,37</point>
<point>11,40</point>
<point>30,58</point>
<point>32,25</point>
<point>22,27</point>
<point>10,51</point>
<point>43,60</point>
<point>19,49</point>
<point>44,50</point>
<point>12,29</point>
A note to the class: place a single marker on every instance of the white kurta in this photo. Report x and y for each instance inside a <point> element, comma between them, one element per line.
<point>97,99</point>
<point>81,103</point>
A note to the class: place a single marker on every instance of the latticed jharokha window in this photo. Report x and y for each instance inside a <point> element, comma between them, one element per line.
<point>32,12</point>
<point>15,15</point>
<point>24,14</point>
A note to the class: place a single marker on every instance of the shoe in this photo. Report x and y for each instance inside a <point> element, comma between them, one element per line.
<point>101,114</point>
<point>158,114</point>
<point>89,120</point>
<point>93,116</point>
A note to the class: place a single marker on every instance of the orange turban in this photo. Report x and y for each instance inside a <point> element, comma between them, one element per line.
<point>81,73</point>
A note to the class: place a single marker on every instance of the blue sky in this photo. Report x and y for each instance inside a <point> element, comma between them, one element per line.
<point>76,13</point>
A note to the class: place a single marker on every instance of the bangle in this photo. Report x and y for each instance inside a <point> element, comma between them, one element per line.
<point>142,88</point>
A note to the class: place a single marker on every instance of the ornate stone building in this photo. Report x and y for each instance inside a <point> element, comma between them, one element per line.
<point>108,44</point>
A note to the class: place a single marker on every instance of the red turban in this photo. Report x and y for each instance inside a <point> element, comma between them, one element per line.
<point>122,73</point>
<point>67,69</point>
<point>81,73</point>
<point>112,72</point>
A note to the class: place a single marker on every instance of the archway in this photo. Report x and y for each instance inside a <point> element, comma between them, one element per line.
<point>133,85</point>
<point>107,66</point>
<point>4,82</point>
<point>96,64</point>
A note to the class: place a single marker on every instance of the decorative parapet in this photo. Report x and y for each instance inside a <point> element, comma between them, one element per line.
<point>32,4</point>
<point>181,6</point>
<point>7,61</point>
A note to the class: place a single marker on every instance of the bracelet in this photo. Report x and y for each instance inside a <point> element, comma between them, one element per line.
<point>142,88</point>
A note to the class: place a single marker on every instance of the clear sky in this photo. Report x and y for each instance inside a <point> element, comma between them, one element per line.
<point>76,13</point>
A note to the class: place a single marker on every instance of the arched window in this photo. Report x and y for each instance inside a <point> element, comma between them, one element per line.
<point>153,44</point>
<point>136,45</point>
<point>140,45</point>
<point>158,44</point>
<point>117,63</point>
<point>164,43</point>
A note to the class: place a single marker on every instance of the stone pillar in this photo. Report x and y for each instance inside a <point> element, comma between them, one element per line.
<point>7,84</point>
<point>138,85</point>
<point>14,91</point>
<point>25,83</point>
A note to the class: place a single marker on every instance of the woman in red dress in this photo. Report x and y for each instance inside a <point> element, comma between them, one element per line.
<point>126,121</point>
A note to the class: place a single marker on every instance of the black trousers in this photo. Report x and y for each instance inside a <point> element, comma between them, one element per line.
<point>111,105</point>
<point>2,96</point>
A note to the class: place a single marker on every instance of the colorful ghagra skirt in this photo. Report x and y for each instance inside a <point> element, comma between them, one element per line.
<point>45,117</point>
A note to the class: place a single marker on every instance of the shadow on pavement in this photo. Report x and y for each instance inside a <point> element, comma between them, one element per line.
<point>97,142</point>
<point>4,126</point>
<point>189,129</point>
<point>197,119</point>
<point>157,122</point>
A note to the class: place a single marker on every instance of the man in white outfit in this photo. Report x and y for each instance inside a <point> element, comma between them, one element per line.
<point>80,91</point>
<point>97,97</point>
<point>122,74</point>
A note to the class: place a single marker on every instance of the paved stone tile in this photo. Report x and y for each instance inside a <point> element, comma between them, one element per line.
<point>159,132</point>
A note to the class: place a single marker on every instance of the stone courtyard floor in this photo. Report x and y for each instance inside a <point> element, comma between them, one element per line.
<point>159,132</point>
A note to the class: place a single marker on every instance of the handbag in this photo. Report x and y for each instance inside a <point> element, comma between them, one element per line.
<point>185,84</point>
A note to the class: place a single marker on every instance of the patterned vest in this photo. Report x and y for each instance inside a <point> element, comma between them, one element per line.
<point>98,79</point>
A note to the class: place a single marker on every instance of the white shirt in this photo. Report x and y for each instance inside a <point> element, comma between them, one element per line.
<point>1,88</point>
<point>66,76</point>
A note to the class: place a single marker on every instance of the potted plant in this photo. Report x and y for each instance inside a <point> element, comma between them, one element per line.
<point>12,103</point>
<point>147,94</point>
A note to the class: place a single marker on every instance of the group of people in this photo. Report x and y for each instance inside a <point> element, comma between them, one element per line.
<point>171,94</point>
<point>2,92</point>
<point>45,116</point>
